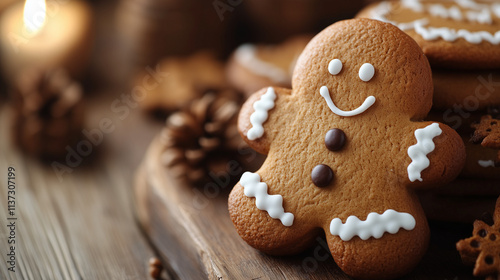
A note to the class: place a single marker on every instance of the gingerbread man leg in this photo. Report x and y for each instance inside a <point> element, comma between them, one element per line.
<point>269,229</point>
<point>368,258</point>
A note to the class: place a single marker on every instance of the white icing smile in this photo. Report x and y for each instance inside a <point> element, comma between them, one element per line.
<point>273,204</point>
<point>375,225</point>
<point>369,101</point>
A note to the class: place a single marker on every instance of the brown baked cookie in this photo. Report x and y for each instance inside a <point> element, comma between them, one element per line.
<point>252,67</point>
<point>178,80</point>
<point>344,154</point>
<point>480,162</point>
<point>483,249</point>
<point>460,34</point>
<point>202,137</point>
<point>487,132</point>
<point>468,188</point>
<point>458,206</point>
<point>461,119</point>
<point>457,118</point>
<point>469,91</point>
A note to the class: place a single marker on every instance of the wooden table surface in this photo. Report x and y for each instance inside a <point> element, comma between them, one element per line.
<point>84,226</point>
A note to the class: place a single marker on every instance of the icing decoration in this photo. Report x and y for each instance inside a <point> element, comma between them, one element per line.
<point>481,15</point>
<point>335,66</point>
<point>375,225</point>
<point>247,55</point>
<point>366,72</point>
<point>413,5</point>
<point>366,104</point>
<point>496,9</point>
<point>384,8</point>
<point>261,113</point>
<point>418,7</point>
<point>273,204</point>
<point>418,152</point>
<point>322,175</point>
<point>486,163</point>
<point>439,10</point>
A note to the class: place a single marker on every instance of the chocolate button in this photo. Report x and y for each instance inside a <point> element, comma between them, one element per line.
<point>322,175</point>
<point>335,139</point>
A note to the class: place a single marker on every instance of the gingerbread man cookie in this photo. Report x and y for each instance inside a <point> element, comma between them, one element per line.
<point>488,134</point>
<point>252,67</point>
<point>459,34</point>
<point>483,249</point>
<point>345,149</point>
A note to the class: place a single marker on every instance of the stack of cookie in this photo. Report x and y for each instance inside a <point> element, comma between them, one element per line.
<point>176,81</point>
<point>252,67</point>
<point>462,42</point>
<point>345,150</point>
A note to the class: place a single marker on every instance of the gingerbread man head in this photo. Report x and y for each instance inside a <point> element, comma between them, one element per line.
<point>352,62</point>
<point>345,149</point>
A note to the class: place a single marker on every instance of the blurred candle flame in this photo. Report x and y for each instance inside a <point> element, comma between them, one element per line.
<point>34,15</point>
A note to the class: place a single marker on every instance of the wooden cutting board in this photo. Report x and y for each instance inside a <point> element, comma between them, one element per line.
<point>191,228</point>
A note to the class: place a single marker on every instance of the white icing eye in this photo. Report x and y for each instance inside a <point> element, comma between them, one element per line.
<point>366,72</point>
<point>335,66</point>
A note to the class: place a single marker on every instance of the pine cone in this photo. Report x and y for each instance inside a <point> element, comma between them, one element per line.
<point>483,249</point>
<point>48,113</point>
<point>202,138</point>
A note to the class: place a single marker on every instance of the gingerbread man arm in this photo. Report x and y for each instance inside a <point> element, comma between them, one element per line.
<point>262,220</point>
<point>436,155</point>
<point>258,121</point>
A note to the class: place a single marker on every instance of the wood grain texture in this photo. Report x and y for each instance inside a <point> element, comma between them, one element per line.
<point>191,228</point>
<point>84,226</point>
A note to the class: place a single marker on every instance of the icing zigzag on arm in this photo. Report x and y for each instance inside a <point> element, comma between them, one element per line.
<point>418,152</point>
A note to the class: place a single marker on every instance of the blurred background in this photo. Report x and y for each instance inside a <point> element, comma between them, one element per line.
<point>124,36</point>
<point>61,60</point>
<point>87,86</point>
